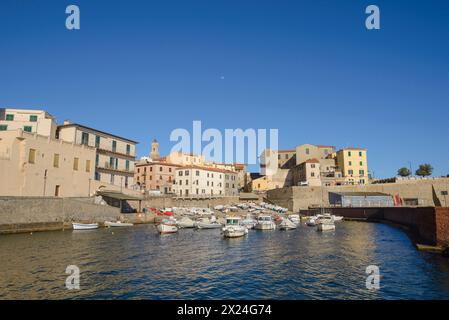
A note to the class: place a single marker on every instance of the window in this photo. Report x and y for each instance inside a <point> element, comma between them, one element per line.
<point>307,151</point>
<point>127,165</point>
<point>97,142</point>
<point>57,190</point>
<point>56,160</point>
<point>160,169</point>
<point>180,173</point>
<point>32,156</point>
<point>187,173</point>
<point>286,156</point>
<point>197,173</point>
<point>97,160</point>
<point>361,163</point>
<point>87,165</point>
<point>362,172</point>
<point>349,153</point>
<point>169,169</point>
<point>27,128</point>
<point>85,138</point>
<point>111,162</point>
<point>312,165</point>
<point>312,174</point>
<point>351,172</point>
<point>350,163</point>
<point>75,163</point>
<point>114,146</point>
<point>360,153</point>
<point>9,117</point>
<point>128,149</point>
<point>187,182</point>
<point>33,118</point>
<point>3,127</point>
<point>112,179</point>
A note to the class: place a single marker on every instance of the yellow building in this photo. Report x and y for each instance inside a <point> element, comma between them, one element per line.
<point>352,162</point>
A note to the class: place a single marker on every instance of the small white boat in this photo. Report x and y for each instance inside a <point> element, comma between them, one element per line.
<point>287,224</point>
<point>325,223</point>
<point>337,218</point>
<point>167,226</point>
<point>249,222</point>
<point>185,222</point>
<point>117,224</point>
<point>311,222</point>
<point>294,218</point>
<point>234,228</point>
<point>208,223</point>
<point>84,226</point>
<point>265,222</point>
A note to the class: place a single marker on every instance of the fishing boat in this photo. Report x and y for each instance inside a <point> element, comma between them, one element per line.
<point>325,223</point>
<point>167,226</point>
<point>84,226</point>
<point>265,222</point>
<point>117,224</point>
<point>185,222</point>
<point>287,224</point>
<point>294,218</point>
<point>311,222</point>
<point>208,223</point>
<point>234,228</point>
<point>249,222</point>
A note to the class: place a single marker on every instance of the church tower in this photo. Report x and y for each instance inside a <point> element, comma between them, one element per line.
<point>154,154</point>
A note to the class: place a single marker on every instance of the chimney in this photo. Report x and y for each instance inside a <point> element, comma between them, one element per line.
<point>66,121</point>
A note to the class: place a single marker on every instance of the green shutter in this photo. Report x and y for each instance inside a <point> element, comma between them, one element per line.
<point>33,118</point>
<point>3,127</point>
<point>9,117</point>
<point>27,128</point>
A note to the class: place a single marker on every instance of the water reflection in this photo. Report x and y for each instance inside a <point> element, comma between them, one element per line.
<point>136,263</point>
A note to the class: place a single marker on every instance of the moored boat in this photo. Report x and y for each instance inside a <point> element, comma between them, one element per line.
<point>167,226</point>
<point>265,222</point>
<point>185,222</point>
<point>117,224</point>
<point>287,224</point>
<point>84,226</point>
<point>234,228</point>
<point>325,223</point>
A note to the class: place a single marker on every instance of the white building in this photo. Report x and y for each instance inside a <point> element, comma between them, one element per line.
<point>28,120</point>
<point>197,181</point>
<point>115,156</point>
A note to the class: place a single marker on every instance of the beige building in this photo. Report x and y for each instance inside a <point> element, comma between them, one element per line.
<point>198,181</point>
<point>28,120</point>
<point>185,159</point>
<point>115,156</point>
<point>155,175</point>
<point>307,173</point>
<point>36,165</point>
<point>286,158</point>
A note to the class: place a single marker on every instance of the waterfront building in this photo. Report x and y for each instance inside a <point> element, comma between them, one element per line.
<point>115,155</point>
<point>352,162</point>
<point>37,165</point>
<point>155,175</point>
<point>34,121</point>
<point>360,199</point>
<point>199,181</point>
<point>307,173</point>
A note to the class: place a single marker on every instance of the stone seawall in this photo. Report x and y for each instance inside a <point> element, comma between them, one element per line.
<point>426,225</point>
<point>26,214</point>
<point>428,192</point>
<point>169,202</point>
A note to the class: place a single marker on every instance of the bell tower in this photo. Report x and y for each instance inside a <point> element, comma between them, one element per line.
<point>154,154</point>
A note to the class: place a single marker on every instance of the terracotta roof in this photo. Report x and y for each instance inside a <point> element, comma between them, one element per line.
<point>162,163</point>
<point>321,146</point>
<point>208,169</point>
<point>286,150</point>
<point>352,148</point>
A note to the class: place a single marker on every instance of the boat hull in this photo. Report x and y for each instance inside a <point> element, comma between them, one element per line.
<point>234,232</point>
<point>117,224</point>
<point>84,226</point>
<point>166,228</point>
<point>325,227</point>
<point>265,226</point>
<point>208,225</point>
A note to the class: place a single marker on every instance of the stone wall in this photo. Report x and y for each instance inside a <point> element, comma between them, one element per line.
<point>25,214</point>
<point>169,202</point>
<point>300,198</point>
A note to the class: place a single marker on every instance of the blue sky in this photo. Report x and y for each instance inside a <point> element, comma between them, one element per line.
<point>310,68</point>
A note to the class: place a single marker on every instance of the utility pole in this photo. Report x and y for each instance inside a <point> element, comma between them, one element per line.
<point>45,181</point>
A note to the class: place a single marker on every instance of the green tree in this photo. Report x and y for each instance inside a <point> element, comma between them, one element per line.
<point>424,170</point>
<point>404,172</point>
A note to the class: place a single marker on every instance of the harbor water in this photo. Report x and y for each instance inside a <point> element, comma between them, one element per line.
<point>138,263</point>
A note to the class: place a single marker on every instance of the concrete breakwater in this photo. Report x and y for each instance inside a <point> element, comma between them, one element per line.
<point>27,214</point>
